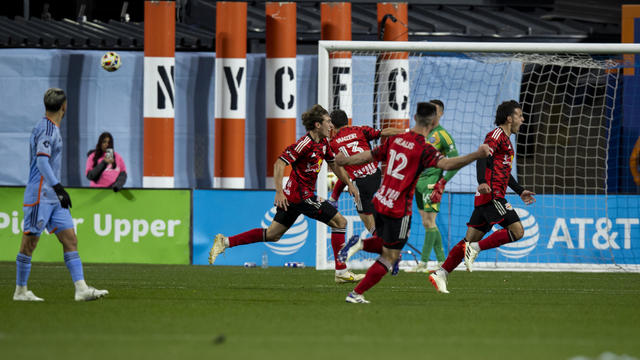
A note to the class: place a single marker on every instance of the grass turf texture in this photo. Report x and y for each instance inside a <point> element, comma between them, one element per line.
<point>162,312</point>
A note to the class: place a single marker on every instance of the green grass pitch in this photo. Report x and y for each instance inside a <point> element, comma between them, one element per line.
<point>188,312</point>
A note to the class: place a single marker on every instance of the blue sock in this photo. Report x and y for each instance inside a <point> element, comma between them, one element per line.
<point>74,264</point>
<point>23,269</point>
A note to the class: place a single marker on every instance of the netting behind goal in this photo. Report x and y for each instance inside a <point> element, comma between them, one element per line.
<point>569,104</point>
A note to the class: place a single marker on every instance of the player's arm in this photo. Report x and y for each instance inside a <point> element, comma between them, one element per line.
<point>460,161</point>
<point>481,170</point>
<point>42,163</point>
<point>356,159</point>
<point>278,174</point>
<point>450,151</point>
<point>390,131</point>
<point>525,195</point>
<point>342,174</point>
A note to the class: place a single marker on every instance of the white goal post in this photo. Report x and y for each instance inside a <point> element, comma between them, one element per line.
<point>569,93</point>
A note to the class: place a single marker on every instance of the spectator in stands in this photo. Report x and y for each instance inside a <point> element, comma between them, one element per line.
<point>105,167</point>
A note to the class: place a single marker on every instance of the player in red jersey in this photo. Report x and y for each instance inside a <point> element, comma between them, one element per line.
<point>406,156</point>
<point>494,174</point>
<point>298,197</point>
<point>351,140</point>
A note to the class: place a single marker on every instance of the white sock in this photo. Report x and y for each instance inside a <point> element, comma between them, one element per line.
<point>21,289</point>
<point>226,242</point>
<point>475,246</point>
<point>442,271</point>
<point>80,285</point>
<point>341,272</point>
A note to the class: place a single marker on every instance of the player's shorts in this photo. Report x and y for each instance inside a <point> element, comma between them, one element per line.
<point>424,188</point>
<point>393,231</point>
<point>496,211</point>
<point>367,187</point>
<point>321,211</point>
<point>51,216</point>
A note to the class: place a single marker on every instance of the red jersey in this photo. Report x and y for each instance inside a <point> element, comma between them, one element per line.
<point>305,157</point>
<point>498,166</point>
<point>406,156</point>
<point>351,140</point>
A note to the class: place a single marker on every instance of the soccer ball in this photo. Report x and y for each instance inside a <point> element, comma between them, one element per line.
<point>111,61</point>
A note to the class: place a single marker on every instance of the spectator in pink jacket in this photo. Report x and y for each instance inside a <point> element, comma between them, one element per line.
<point>105,167</point>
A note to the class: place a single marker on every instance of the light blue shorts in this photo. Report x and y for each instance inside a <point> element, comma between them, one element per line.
<point>50,215</point>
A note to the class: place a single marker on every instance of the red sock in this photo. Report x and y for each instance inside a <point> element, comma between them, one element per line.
<point>455,257</point>
<point>494,240</point>
<point>337,189</point>
<point>375,273</point>
<point>337,241</point>
<point>372,244</point>
<point>247,237</point>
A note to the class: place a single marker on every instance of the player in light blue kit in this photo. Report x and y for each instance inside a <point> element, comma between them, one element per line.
<point>46,203</point>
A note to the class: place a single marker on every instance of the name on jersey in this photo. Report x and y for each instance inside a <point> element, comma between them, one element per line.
<point>405,144</point>
<point>346,138</point>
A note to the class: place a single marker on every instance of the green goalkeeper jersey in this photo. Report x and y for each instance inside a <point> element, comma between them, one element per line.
<point>443,142</point>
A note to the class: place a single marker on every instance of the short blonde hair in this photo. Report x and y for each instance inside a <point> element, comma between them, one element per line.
<point>53,99</point>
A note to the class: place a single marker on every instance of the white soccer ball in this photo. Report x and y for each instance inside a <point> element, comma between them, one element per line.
<point>111,61</point>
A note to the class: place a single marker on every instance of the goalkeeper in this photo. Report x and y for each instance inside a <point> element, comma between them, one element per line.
<point>429,191</point>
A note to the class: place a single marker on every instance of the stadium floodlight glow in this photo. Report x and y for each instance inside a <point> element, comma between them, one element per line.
<point>568,92</point>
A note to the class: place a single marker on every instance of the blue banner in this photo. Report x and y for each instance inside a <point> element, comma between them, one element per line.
<point>231,212</point>
<point>558,229</point>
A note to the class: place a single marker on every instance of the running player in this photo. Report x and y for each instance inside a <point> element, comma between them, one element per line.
<point>298,197</point>
<point>47,203</point>
<point>429,192</point>
<point>490,206</point>
<point>406,156</point>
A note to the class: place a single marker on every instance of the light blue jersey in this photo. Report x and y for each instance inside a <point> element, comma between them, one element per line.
<point>45,154</point>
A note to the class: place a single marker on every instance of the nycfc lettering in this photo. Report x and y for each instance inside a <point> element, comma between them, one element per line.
<point>233,83</point>
<point>338,85</point>
<point>393,78</point>
<point>600,233</point>
<point>279,93</point>
<point>165,87</point>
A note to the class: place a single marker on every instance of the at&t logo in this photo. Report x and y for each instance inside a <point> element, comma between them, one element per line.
<point>292,240</point>
<point>524,246</point>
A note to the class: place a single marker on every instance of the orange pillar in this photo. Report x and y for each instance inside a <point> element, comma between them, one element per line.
<point>158,93</point>
<point>280,97</point>
<point>393,71</point>
<point>335,18</point>
<point>230,94</point>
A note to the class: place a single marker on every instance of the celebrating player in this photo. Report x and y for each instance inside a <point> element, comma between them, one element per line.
<point>47,203</point>
<point>494,174</point>
<point>351,140</point>
<point>298,197</point>
<point>406,156</point>
<point>429,191</point>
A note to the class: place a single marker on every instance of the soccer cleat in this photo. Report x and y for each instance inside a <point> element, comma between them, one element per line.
<point>25,295</point>
<point>422,267</point>
<point>217,248</point>
<point>439,282</point>
<point>90,293</point>
<point>348,277</point>
<point>355,298</point>
<point>470,255</point>
<point>352,246</point>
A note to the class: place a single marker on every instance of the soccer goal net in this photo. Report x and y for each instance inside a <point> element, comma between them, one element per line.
<point>570,95</point>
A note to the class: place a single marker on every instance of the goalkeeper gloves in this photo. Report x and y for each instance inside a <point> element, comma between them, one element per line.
<point>63,196</point>
<point>438,189</point>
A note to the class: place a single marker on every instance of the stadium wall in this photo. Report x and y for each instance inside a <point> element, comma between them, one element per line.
<point>101,101</point>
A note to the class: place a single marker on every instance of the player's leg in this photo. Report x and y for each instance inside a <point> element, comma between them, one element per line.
<point>61,224</point>
<point>338,224</point>
<point>34,219</point>
<point>367,187</point>
<point>476,228</point>
<point>512,227</point>
<point>394,233</point>
<point>280,224</point>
